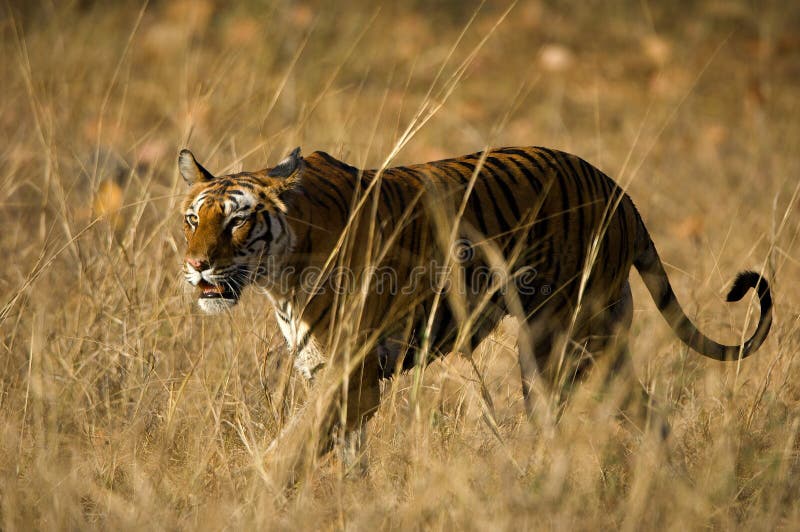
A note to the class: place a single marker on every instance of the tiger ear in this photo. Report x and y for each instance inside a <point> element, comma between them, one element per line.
<point>288,166</point>
<point>190,169</point>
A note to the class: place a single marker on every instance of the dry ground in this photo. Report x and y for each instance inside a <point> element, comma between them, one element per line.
<point>122,407</point>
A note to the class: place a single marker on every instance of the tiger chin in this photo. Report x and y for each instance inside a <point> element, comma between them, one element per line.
<point>560,234</point>
<point>215,300</point>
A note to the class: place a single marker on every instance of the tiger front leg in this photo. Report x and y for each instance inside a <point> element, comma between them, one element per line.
<point>334,416</point>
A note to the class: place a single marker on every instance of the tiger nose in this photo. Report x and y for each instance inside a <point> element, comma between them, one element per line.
<point>197,264</point>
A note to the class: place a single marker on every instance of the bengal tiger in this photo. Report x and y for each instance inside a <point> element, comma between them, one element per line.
<point>434,256</point>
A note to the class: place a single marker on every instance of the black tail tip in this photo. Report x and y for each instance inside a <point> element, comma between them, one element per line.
<point>744,282</point>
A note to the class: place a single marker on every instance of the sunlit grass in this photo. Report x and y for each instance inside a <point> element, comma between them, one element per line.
<point>122,406</point>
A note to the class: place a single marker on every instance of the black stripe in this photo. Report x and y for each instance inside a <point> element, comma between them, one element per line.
<point>453,173</point>
<point>332,202</point>
<point>303,342</point>
<point>311,198</point>
<point>405,172</point>
<point>590,173</point>
<point>474,201</point>
<point>578,203</point>
<point>322,316</point>
<point>343,203</point>
<point>265,218</point>
<point>387,192</point>
<point>498,212</point>
<point>532,179</point>
<point>500,165</point>
<point>506,190</point>
<point>246,185</point>
<point>528,156</point>
<point>564,194</point>
<point>333,161</point>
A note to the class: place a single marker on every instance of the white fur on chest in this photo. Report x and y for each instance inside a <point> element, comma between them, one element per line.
<point>308,356</point>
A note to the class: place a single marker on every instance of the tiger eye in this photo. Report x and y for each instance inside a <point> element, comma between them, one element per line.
<point>238,221</point>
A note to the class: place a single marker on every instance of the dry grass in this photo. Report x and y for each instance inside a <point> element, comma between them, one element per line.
<point>121,407</point>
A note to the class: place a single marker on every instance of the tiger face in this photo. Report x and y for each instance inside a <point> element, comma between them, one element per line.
<point>235,230</point>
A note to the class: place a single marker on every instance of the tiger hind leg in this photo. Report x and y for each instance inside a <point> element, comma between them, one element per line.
<point>609,345</point>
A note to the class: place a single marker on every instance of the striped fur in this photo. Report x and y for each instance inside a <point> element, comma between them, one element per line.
<point>530,232</point>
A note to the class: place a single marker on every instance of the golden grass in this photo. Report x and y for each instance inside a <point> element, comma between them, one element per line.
<point>122,407</point>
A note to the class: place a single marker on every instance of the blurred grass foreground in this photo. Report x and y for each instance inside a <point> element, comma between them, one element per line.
<point>122,407</point>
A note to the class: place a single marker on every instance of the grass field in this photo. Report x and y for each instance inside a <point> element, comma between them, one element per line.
<point>121,406</point>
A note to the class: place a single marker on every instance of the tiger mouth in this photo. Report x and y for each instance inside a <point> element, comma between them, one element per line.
<point>213,291</point>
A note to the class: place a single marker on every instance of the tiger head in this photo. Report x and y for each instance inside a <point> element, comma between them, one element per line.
<point>235,227</point>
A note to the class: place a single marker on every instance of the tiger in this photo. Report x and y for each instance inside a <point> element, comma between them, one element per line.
<point>533,233</point>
